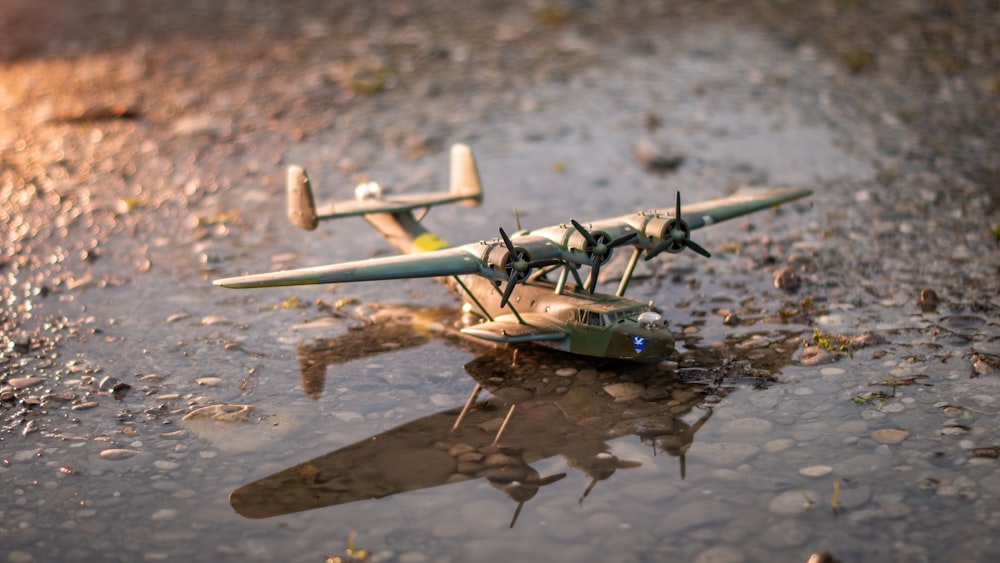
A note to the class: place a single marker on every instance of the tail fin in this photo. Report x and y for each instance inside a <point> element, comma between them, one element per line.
<point>464,180</point>
<point>301,206</point>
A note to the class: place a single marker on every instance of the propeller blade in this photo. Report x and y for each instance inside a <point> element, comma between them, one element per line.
<point>697,248</point>
<point>586,234</point>
<point>511,282</point>
<point>657,249</point>
<point>506,241</point>
<point>622,240</point>
<point>595,271</point>
<point>677,209</point>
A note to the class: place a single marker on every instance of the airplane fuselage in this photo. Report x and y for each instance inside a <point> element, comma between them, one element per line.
<point>595,324</point>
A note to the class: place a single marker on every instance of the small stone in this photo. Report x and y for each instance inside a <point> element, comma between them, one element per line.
<point>111,384</point>
<point>209,381</point>
<point>84,406</point>
<point>166,465</point>
<point>815,355</point>
<point>889,435</point>
<point>723,454</point>
<point>868,339</point>
<point>816,471</point>
<point>566,372</point>
<point>118,454</point>
<point>895,509</point>
<point>720,554</point>
<point>221,413</point>
<point>747,426</point>
<point>25,382</point>
<point>165,514</point>
<point>779,445</point>
<point>213,320</point>
<point>624,391</point>
<point>20,557</point>
<point>460,449</point>
<point>796,501</point>
<point>928,300</point>
<point>787,280</point>
<point>177,317</point>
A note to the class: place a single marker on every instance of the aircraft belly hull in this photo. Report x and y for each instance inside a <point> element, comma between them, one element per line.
<point>622,340</point>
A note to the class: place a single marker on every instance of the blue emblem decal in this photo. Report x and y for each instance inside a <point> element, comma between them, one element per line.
<point>638,343</point>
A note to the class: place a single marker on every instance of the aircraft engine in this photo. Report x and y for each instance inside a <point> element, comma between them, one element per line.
<point>673,233</point>
<point>515,263</point>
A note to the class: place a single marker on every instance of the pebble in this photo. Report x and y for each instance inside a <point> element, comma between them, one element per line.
<point>177,317</point>
<point>20,557</point>
<point>723,454</point>
<point>795,501</point>
<point>816,471</point>
<point>778,445</point>
<point>814,356</point>
<point>720,554</point>
<point>118,454</point>
<point>25,382</point>
<point>213,320</point>
<point>566,372</point>
<point>889,435</point>
<point>209,381</point>
<point>221,413</point>
<point>84,406</point>
<point>624,391</point>
<point>786,534</point>
<point>165,514</point>
<point>747,427</point>
<point>166,465</point>
<point>787,279</point>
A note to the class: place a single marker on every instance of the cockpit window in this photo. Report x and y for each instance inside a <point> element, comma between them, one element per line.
<point>650,320</point>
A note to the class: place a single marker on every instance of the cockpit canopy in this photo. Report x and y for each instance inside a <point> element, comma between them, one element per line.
<point>608,318</point>
<point>650,320</point>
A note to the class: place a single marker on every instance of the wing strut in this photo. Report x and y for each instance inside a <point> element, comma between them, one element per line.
<point>465,288</point>
<point>629,269</point>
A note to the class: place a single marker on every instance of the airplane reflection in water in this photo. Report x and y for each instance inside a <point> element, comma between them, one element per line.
<point>532,415</point>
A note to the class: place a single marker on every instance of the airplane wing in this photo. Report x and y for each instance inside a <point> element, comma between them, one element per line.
<point>506,329</point>
<point>707,213</point>
<point>446,262</point>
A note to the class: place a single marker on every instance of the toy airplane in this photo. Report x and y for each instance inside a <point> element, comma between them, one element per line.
<point>505,280</point>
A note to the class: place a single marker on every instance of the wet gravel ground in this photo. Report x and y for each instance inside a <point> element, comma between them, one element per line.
<point>847,346</point>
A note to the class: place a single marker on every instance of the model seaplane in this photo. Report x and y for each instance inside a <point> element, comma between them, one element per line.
<point>506,281</point>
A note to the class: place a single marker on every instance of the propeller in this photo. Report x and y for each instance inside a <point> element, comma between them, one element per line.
<point>676,236</point>
<point>518,266</point>
<point>598,250</point>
